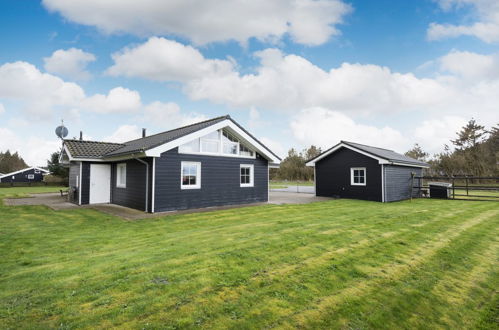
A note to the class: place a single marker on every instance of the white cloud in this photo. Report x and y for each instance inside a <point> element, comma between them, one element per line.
<point>275,146</point>
<point>325,128</point>
<point>124,133</point>
<point>485,28</point>
<point>433,134</point>
<point>41,93</point>
<point>166,60</point>
<point>118,100</point>
<point>33,156</point>
<point>69,63</point>
<point>308,22</point>
<point>471,65</point>
<point>168,115</point>
<point>2,108</point>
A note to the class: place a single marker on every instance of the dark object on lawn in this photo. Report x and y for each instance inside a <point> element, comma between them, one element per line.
<point>159,280</point>
<point>440,189</point>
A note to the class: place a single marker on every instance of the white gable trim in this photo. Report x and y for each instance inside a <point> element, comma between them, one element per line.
<point>340,145</point>
<point>23,170</point>
<point>157,151</point>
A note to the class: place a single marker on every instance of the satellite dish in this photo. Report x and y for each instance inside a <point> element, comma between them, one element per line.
<point>61,131</point>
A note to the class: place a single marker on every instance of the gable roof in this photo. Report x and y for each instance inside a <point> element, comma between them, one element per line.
<point>384,156</point>
<point>24,170</point>
<point>149,145</point>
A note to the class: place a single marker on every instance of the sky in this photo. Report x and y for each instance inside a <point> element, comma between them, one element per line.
<point>293,72</point>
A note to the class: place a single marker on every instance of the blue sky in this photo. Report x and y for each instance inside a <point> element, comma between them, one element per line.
<point>295,73</point>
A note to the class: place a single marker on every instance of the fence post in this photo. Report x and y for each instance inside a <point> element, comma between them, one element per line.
<point>466,185</point>
<point>453,188</point>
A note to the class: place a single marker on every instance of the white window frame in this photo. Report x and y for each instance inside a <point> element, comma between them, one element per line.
<point>252,175</point>
<point>37,171</point>
<point>31,176</point>
<point>119,168</point>
<point>198,175</point>
<point>352,169</point>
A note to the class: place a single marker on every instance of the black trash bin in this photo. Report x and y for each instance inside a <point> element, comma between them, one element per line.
<point>440,189</point>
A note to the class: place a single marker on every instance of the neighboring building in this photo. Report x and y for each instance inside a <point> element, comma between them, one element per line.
<point>210,163</point>
<point>31,174</point>
<point>353,170</point>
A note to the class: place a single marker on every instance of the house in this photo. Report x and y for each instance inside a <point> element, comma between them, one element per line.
<point>353,170</point>
<point>31,174</point>
<point>211,163</point>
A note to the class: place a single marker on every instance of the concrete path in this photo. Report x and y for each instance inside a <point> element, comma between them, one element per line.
<point>56,202</point>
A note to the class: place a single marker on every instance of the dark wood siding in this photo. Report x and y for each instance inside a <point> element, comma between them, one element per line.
<point>398,182</point>
<point>220,182</point>
<point>74,174</point>
<point>333,176</point>
<point>23,177</point>
<point>85,183</point>
<point>134,195</point>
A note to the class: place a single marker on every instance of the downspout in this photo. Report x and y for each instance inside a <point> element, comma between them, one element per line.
<point>147,181</point>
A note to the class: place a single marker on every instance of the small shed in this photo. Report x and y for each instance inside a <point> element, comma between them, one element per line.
<point>30,174</point>
<point>358,171</point>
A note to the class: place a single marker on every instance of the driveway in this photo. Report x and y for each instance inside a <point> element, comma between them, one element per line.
<point>296,189</point>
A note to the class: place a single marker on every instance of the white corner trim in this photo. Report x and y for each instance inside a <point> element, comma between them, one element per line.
<point>153,188</point>
<point>382,183</point>
<point>156,152</point>
<point>80,187</point>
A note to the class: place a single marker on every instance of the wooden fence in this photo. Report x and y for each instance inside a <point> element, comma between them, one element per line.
<point>461,187</point>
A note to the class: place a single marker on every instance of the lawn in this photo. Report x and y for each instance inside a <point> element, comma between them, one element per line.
<point>25,191</point>
<point>337,264</point>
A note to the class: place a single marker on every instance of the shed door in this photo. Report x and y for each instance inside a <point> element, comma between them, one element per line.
<point>100,183</point>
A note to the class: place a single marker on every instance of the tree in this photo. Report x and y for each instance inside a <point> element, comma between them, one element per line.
<point>55,167</point>
<point>293,166</point>
<point>11,162</point>
<point>417,153</point>
<point>470,135</point>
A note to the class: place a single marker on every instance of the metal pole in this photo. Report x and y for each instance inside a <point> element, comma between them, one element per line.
<point>453,189</point>
<point>467,186</point>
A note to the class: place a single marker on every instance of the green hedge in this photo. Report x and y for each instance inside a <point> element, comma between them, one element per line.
<point>30,184</point>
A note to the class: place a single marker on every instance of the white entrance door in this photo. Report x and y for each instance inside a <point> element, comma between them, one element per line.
<point>100,183</point>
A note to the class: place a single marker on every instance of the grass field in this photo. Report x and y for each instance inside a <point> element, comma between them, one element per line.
<point>25,191</point>
<point>274,184</point>
<point>337,264</point>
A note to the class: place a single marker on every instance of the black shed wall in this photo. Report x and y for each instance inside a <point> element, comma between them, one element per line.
<point>74,176</point>
<point>220,182</point>
<point>333,176</point>
<point>85,183</point>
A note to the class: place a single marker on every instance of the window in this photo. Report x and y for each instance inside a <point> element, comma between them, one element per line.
<point>230,144</point>
<point>37,171</point>
<point>246,175</point>
<point>243,151</point>
<point>190,147</point>
<point>190,175</point>
<point>31,176</point>
<point>210,143</point>
<point>358,176</point>
<point>121,175</point>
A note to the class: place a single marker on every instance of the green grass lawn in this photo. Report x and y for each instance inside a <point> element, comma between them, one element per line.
<point>25,191</point>
<point>337,264</point>
<point>284,184</point>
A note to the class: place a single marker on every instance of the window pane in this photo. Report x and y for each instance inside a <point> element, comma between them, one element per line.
<point>355,179</point>
<point>361,179</point>
<point>212,136</point>
<point>209,146</point>
<point>243,151</point>
<point>192,146</point>
<point>230,148</point>
<point>185,180</point>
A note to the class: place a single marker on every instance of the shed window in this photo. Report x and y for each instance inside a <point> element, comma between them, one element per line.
<point>246,175</point>
<point>31,176</point>
<point>358,176</point>
<point>37,171</point>
<point>121,175</point>
<point>190,175</point>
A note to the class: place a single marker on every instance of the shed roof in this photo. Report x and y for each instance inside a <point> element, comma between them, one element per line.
<point>375,152</point>
<point>24,170</point>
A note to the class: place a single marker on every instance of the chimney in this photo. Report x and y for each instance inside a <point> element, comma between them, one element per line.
<point>143,132</point>
<point>81,135</point>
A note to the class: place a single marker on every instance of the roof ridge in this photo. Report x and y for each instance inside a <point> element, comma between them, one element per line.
<point>365,145</point>
<point>77,140</point>
<point>182,127</point>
